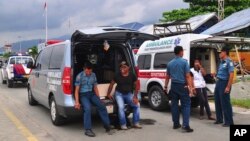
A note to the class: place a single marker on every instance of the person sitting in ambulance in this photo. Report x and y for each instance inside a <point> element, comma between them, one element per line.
<point>126,84</point>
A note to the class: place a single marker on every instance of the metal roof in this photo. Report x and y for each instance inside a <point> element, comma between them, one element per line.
<point>224,39</point>
<point>133,25</point>
<point>195,22</point>
<point>236,21</point>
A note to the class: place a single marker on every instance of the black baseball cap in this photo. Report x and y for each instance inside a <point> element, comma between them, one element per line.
<point>225,49</point>
<point>88,65</point>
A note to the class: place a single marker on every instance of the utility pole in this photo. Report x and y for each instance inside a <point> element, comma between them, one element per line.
<point>20,44</point>
<point>221,9</point>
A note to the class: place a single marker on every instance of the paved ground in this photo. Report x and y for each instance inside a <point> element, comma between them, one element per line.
<point>19,121</point>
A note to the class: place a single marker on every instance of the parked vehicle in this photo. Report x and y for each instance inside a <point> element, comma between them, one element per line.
<point>153,57</point>
<point>52,79</point>
<point>15,70</point>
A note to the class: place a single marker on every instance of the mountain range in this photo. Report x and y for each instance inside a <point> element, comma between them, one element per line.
<point>25,45</point>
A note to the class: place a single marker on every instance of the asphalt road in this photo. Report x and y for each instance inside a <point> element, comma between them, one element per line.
<point>19,121</point>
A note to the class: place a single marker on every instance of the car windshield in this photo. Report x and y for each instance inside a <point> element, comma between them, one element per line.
<point>20,60</point>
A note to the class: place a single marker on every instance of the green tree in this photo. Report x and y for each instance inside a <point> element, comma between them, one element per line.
<point>6,55</point>
<point>33,51</point>
<point>198,7</point>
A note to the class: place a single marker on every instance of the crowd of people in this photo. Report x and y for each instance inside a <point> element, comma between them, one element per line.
<point>185,82</point>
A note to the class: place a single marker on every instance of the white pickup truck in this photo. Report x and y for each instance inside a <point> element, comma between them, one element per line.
<point>15,70</point>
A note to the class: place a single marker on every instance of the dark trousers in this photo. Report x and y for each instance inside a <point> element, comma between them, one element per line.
<point>203,100</point>
<point>87,99</point>
<point>223,106</point>
<point>179,92</point>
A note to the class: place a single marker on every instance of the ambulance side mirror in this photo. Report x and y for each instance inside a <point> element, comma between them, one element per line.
<point>30,65</point>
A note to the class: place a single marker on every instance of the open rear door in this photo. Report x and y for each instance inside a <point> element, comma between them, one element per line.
<point>112,34</point>
<point>218,42</point>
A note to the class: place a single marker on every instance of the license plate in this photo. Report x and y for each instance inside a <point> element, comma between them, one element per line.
<point>110,109</point>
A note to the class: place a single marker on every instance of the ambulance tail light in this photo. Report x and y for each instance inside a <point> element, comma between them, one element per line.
<point>66,81</point>
<point>11,68</point>
<point>138,80</point>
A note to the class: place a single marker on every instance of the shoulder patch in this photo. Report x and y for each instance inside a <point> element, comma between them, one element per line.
<point>231,64</point>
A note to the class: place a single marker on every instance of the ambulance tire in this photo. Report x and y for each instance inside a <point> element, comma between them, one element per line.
<point>157,98</point>
<point>4,82</point>
<point>56,118</point>
<point>10,83</point>
<point>31,99</point>
<point>195,102</point>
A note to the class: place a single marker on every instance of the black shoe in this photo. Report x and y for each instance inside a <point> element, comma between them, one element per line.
<point>177,126</point>
<point>109,131</point>
<point>89,133</point>
<point>217,122</point>
<point>225,125</point>
<point>187,129</point>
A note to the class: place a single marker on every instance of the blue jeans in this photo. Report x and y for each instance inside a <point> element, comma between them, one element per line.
<point>179,92</point>
<point>87,99</point>
<point>223,106</point>
<point>128,99</point>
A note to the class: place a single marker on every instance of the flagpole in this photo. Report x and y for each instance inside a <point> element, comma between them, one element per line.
<point>46,23</point>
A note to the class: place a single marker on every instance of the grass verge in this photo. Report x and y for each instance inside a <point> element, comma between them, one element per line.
<point>244,103</point>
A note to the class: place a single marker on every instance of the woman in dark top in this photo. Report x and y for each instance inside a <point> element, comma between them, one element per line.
<point>126,84</point>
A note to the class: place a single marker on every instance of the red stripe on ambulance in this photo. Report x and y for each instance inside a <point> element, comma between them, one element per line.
<point>161,75</point>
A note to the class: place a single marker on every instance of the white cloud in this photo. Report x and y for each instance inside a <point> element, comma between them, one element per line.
<point>26,19</point>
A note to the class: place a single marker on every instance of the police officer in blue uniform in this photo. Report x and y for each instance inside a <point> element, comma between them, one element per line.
<point>224,76</point>
<point>85,83</point>
<point>179,72</point>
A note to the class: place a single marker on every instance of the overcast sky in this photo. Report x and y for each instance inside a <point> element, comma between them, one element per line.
<point>24,19</point>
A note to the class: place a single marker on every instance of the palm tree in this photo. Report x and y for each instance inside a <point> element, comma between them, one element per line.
<point>33,51</point>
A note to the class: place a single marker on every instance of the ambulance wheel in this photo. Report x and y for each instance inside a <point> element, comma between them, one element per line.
<point>55,117</point>
<point>10,83</point>
<point>3,81</point>
<point>31,99</point>
<point>195,102</point>
<point>157,98</point>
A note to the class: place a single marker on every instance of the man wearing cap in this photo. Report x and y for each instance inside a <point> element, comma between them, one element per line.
<point>84,85</point>
<point>225,76</point>
<point>179,72</point>
<point>126,85</point>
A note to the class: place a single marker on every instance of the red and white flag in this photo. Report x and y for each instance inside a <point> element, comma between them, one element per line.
<point>45,6</point>
<point>45,9</point>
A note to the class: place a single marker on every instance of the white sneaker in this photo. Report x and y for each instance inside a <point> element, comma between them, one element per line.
<point>124,127</point>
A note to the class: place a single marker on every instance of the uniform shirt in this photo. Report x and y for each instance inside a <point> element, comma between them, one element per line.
<point>85,82</point>
<point>225,68</point>
<point>177,70</point>
<point>125,84</point>
<point>199,81</point>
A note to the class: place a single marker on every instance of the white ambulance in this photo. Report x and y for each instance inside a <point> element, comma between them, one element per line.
<point>153,56</point>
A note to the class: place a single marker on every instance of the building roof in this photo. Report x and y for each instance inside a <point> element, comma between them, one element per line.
<point>234,22</point>
<point>195,22</point>
<point>133,25</point>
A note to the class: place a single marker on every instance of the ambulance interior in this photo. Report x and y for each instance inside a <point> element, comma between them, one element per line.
<point>209,57</point>
<point>105,61</point>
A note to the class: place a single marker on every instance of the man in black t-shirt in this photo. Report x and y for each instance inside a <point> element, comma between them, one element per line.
<point>126,84</point>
